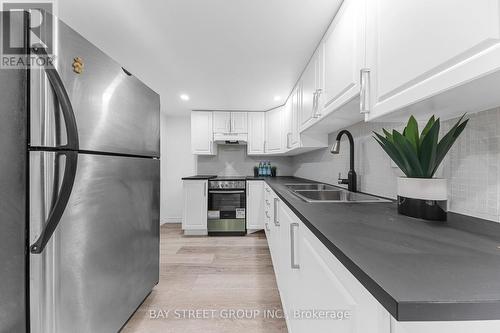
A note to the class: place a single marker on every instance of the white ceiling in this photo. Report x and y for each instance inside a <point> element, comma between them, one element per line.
<point>225,54</point>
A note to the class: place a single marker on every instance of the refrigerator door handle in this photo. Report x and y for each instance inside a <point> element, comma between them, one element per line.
<point>60,203</point>
<point>62,97</point>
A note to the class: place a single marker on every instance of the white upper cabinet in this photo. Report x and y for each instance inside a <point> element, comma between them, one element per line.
<point>274,128</point>
<point>201,133</point>
<point>338,62</point>
<point>294,141</point>
<point>311,89</point>
<point>239,122</point>
<point>344,56</point>
<point>230,122</point>
<point>295,111</point>
<point>222,122</point>
<point>308,81</point>
<point>256,133</point>
<point>418,50</point>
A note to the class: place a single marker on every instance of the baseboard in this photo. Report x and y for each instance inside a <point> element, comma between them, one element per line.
<point>171,220</point>
<point>195,232</point>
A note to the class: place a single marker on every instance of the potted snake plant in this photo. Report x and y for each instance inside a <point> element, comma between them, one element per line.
<point>419,155</point>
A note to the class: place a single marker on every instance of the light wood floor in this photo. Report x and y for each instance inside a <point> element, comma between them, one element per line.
<point>217,274</point>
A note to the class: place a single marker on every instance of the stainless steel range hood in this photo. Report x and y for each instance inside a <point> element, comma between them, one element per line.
<point>231,138</point>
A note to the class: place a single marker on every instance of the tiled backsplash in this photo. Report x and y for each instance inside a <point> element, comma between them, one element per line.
<point>232,160</point>
<point>472,167</point>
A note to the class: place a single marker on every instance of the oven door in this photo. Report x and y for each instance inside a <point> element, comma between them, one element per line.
<point>227,211</point>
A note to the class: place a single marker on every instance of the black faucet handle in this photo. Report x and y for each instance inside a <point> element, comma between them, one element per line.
<point>342,180</point>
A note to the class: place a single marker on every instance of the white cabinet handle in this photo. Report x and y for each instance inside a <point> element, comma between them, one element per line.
<point>288,135</point>
<point>205,189</point>
<point>293,258</point>
<point>267,226</point>
<point>364,94</point>
<point>276,222</point>
<point>316,108</point>
<point>264,148</point>
<point>315,97</point>
<point>267,214</point>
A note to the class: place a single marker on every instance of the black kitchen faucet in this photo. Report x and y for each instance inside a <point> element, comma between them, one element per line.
<point>351,176</point>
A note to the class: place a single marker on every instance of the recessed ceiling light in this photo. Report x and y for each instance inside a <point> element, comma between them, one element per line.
<point>277,98</point>
<point>185,97</point>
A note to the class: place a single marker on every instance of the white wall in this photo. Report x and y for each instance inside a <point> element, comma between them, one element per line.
<point>176,162</point>
<point>472,166</point>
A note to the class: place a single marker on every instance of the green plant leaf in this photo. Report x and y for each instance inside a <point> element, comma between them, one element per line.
<point>387,135</point>
<point>389,148</point>
<point>411,133</point>
<point>427,128</point>
<point>407,150</point>
<point>419,156</point>
<point>447,142</point>
<point>428,149</point>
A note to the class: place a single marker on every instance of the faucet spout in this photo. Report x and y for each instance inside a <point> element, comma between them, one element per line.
<point>351,180</point>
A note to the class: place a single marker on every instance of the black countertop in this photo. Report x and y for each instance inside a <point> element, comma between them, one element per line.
<point>199,177</point>
<point>418,270</point>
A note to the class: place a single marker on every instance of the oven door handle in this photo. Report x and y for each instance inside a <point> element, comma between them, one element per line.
<point>226,192</point>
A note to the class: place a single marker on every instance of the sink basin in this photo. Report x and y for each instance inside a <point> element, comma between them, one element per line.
<point>336,196</point>
<point>327,193</point>
<point>311,187</point>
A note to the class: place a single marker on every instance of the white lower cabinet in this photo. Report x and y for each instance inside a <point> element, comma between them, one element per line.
<point>485,326</point>
<point>255,205</point>
<point>313,283</point>
<point>194,217</point>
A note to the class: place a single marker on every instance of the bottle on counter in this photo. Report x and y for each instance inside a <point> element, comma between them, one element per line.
<point>261,169</point>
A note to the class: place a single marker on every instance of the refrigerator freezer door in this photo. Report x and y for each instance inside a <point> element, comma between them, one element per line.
<point>115,111</point>
<point>103,258</point>
<point>13,163</point>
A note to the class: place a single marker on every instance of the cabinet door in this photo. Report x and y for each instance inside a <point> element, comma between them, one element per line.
<point>308,93</point>
<point>268,216</point>
<point>344,56</point>
<point>296,105</point>
<point>288,281</point>
<point>222,122</point>
<point>239,122</point>
<point>330,286</point>
<point>418,49</point>
<point>476,326</point>
<point>194,219</point>
<point>273,131</point>
<point>201,133</point>
<point>255,205</point>
<point>256,133</point>
<point>287,123</point>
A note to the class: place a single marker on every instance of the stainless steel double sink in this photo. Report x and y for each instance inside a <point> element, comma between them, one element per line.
<point>319,192</point>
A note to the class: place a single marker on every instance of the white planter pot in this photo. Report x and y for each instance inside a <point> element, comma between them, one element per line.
<point>424,198</point>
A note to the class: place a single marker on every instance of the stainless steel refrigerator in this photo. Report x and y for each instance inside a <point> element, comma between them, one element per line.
<point>79,189</point>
